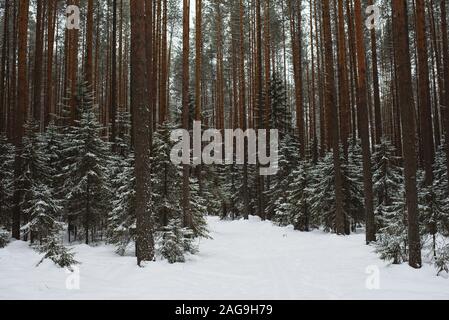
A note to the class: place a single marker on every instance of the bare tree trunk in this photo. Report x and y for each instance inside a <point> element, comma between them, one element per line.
<point>444,36</point>
<point>3,105</point>
<point>407,109</point>
<point>376,91</point>
<point>142,143</point>
<point>428,150</point>
<point>364,126</point>
<point>332,109</point>
<point>22,105</point>
<point>185,110</point>
<point>51,25</point>
<point>38,55</point>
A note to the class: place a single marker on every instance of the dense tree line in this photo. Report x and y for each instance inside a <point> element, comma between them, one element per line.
<point>86,117</point>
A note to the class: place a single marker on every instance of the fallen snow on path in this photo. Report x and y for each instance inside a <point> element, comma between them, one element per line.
<point>245,260</point>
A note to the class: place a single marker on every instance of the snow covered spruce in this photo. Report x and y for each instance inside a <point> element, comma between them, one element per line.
<point>75,187</point>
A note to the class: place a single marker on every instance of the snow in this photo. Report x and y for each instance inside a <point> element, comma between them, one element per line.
<point>245,260</point>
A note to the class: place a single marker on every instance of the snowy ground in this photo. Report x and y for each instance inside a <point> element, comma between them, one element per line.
<point>246,260</point>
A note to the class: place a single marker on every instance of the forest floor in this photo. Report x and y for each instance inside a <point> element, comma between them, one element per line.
<point>245,260</point>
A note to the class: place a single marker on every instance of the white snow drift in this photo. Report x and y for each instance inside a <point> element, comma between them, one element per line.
<point>245,260</point>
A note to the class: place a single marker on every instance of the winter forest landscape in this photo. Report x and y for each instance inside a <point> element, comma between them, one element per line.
<point>224,150</point>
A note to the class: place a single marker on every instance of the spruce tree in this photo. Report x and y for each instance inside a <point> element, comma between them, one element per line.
<point>392,235</point>
<point>198,207</point>
<point>122,219</point>
<point>86,183</point>
<point>35,174</point>
<point>165,178</point>
<point>323,199</point>
<point>353,173</point>
<point>6,181</point>
<point>296,208</point>
<point>288,162</point>
<point>121,223</point>
<point>174,241</point>
<point>323,202</point>
<point>44,213</point>
<point>280,117</point>
<point>390,208</point>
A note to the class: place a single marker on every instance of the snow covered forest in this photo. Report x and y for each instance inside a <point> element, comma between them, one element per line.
<point>91,92</point>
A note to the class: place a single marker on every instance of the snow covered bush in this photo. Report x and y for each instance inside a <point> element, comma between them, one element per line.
<point>392,237</point>
<point>122,219</point>
<point>442,260</point>
<point>198,210</point>
<point>54,250</point>
<point>175,241</point>
<point>4,238</point>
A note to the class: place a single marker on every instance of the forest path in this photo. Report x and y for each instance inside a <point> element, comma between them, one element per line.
<point>244,260</point>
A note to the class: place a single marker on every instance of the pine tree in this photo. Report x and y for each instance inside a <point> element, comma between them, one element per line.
<point>86,186</point>
<point>6,181</point>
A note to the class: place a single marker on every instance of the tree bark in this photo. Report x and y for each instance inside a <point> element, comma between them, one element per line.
<point>332,110</point>
<point>407,110</point>
<point>142,143</point>
<point>364,125</point>
<point>427,144</point>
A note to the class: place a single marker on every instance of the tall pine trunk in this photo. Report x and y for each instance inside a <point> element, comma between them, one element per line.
<point>364,125</point>
<point>407,110</point>
<point>142,142</point>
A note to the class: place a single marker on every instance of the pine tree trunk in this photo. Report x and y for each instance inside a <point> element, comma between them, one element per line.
<point>444,35</point>
<point>295,27</point>
<point>38,59</point>
<point>376,91</point>
<point>428,150</point>
<point>51,25</point>
<point>198,61</point>
<point>113,93</point>
<point>142,143</point>
<point>185,110</point>
<point>345,112</point>
<point>364,125</point>
<point>89,43</point>
<point>331,108</point>
<point>407,105</point>
<point>3,105</point>
<point>163,65</point>
<point>22,106</point>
